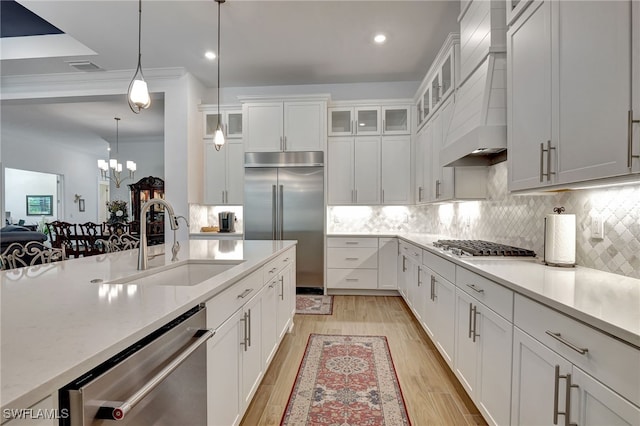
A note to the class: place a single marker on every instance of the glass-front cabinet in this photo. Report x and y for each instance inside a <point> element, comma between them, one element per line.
<point>367,120</point>
<point>396,120</point>
<point>231,121</point>
<point>351,121</point>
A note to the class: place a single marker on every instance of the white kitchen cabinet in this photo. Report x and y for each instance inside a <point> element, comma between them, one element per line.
<point>442,178</point>
<point>634,116</point>
<point>515,9</point>
<point>286,294</point>
<point>387,263</point>
<point>409,280</point>
<point>440,313</point>
<point>284,126</point>
<point>251,349</point>
<point>483,357</point>
<point>551,96</point>
<point>423,175</point>
<point>224,372</point>
<point>224,173</point>
<point>396,170</point>
<point>396,120</point>
<point>230,121</point>
<point>269,327</point>
<point>354,120</point>
<point>352,263</point>
<point>354,170</point>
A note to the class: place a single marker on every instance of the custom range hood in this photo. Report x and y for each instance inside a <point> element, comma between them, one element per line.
<point>477,133</point>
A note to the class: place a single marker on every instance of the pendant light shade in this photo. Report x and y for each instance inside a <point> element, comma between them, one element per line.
<point>218,139</point>
<point>138,93</point>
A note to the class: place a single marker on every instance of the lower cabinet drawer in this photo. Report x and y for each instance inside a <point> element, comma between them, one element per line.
<point>222,306</point>
<point>352,258</point>
<point>495,296</point>
<point>607,359</point>
<point>352,278</point>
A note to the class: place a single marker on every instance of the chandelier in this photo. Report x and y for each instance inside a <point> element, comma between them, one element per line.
<point>116,168</point>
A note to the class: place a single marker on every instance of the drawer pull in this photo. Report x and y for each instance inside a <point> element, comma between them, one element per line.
<point>474,288</point>
<point>352,279</point>
<point>560,339</point>
<point>352,243</point>
<point>272,270</point>
<point>244,293</point>
<point>351,258</point>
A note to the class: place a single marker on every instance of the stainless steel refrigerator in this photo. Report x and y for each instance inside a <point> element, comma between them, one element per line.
<point>284,200</point>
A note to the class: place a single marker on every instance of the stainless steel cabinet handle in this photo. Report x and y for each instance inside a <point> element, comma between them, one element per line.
<point>433,287</point>
<point>248,328</point>
<point>419,194</point>
<point>474,288</point>
<point>351,243</point>
<point>285,143</point>
<point>548,151</point>
<point>272,284</point>
<point>437,189</point>
<point>119,412</point>
<point>419,274</point>
<point>470,319</point>
<point>384,127</point>
<point>274,218</point>
<point>281,212</point>
<point>222,196</point>
<point>281,287</point>
<point>475,323</point>
<point>541,161</point>
<point>567,404</point>
<point>352,279</point>
<point>244,293</point>
<point>356,192</point>
<point>383,195</point>
<point>351,258</point>
<point>560,339</point>
<point>244,320</point>
<point>404,263</point>
<point>272,270</point>
<point>630,122</point>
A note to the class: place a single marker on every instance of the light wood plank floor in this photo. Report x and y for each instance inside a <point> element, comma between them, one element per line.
<point>432,393</point>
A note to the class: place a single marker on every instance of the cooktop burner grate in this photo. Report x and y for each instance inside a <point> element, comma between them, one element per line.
<point>482,248</point>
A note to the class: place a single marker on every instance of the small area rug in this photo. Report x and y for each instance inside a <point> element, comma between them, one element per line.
<point>346,381</point>
<point>308,304</point>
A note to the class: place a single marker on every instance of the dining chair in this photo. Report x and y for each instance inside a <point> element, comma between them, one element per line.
<point>19,255</point>
<point>117,243</point>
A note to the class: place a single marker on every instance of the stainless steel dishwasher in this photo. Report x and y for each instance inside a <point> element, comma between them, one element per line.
<point>158,381</point>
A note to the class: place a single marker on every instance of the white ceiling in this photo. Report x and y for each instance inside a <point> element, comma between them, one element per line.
<point>264,43</point>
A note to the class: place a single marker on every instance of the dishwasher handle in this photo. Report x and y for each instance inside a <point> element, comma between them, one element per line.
<point>118,410</point>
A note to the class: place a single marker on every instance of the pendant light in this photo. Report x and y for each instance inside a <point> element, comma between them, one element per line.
<point>138,93</point>
<point>218,139</point>
<point>116,168</point>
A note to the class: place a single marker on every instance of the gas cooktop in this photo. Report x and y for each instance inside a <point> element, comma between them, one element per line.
<point>481,248</point>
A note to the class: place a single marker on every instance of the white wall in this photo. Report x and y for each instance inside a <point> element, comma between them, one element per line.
<point>149,158</point>
<point>25,183</point>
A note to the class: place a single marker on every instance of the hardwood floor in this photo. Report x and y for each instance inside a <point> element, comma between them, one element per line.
<point>432,393</point>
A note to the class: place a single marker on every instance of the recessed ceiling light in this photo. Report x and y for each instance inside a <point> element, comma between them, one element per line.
<point>380,38</point>
<point>210,55</point>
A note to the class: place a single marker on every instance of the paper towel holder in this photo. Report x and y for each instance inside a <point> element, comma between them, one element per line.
<point>558,210</point>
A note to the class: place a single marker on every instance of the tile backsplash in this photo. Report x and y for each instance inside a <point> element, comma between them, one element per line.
<point>517,220</point>
<point>202,215</point>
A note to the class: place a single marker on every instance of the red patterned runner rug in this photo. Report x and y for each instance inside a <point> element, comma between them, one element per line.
<point>307,304</point>
<point>346,381</point>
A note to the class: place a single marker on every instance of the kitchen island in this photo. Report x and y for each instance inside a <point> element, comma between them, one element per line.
<point>62,319</point>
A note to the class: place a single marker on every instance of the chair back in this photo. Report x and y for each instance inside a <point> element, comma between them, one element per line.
<point>65,234</point>
<point>90,232</point>
<point>117,243</point>
<point>19,255</point>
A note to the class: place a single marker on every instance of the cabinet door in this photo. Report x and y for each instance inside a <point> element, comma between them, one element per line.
<point>387,263</point>
<point>367,121</point>
<point>341,121</point>
<point>592,117</point>
<point>466,354</point>
<point>251,348</point>
<point>396,170</point>
<point>233,127</point>
<point>304,126</point>
<point>235,173</point>
<point>215,171</point>
<point>598,405</point>
<point>442,181</point>
<point>396,120</point>
<point>403,277</point>
<point>534,381</point>
<point>211,120</point>
<point>367,170</point>
<point>495,339</point>
<point>340,175</point>
<point>446,74</point>
<point>224,374</point>
<point>423,164</point>
<point>635,96</point>
<point>285,291</point>
<point>529,96</point>
<point>426,103</point>
<point>263,124</point>
<point>269,326</point>
<point>444,305</point>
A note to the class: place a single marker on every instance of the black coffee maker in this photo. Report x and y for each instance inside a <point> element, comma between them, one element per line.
<point>227,221</point>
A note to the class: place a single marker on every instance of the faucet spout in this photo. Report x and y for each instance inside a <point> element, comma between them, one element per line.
<point>173,222</point>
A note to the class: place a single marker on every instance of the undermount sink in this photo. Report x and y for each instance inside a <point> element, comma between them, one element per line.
<point>187,273</point>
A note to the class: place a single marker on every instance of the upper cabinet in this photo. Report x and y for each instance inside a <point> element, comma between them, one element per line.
<point>369,120</point>
<point>440,81</point>
<point>396,120</point>
<point>229,119</point>
<point>284,125</point>
<point>515,9</point>
<point>634,115</point>
<point>575,129</point>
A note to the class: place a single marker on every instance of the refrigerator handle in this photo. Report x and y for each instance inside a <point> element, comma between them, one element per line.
<point>281,212</point>
<point>274,219</point>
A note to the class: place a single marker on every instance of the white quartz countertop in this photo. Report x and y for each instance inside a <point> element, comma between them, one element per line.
<point>606,301</point>
<point>57,324</point>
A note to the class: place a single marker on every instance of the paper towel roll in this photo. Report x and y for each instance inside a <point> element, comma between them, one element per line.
<point>560,240</point>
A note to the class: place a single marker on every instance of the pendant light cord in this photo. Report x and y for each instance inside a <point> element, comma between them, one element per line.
<point>140,36</point>
<point>218,60</point>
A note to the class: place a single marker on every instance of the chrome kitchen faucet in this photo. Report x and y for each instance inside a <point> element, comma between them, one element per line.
<point>173,222</point>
